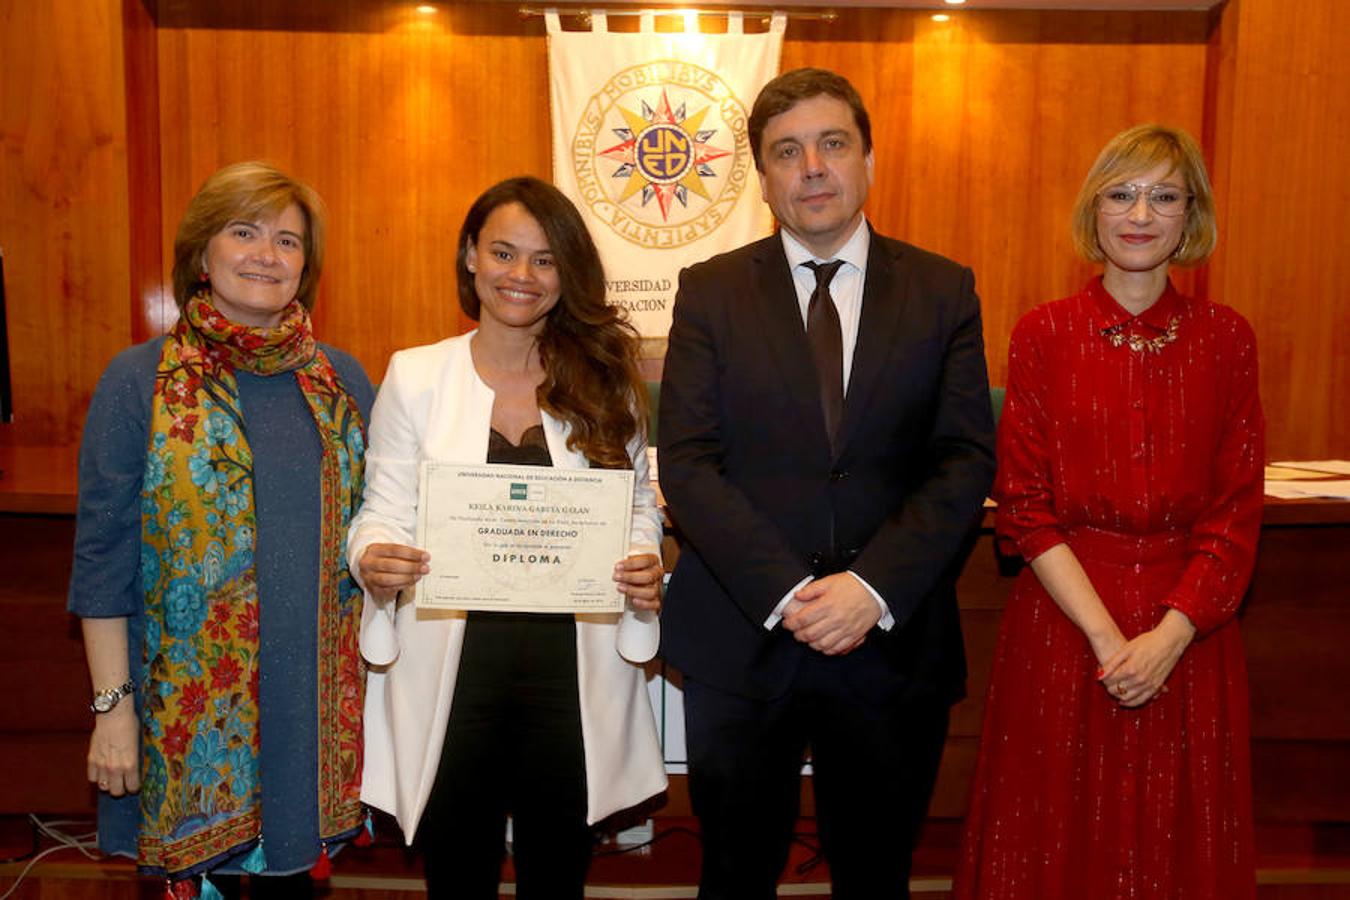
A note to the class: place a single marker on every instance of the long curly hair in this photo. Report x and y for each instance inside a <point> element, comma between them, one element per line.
<point>588,348</point>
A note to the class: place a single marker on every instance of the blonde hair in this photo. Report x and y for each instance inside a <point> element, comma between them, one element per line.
<point>251,191</point>
<point>1137,150</point>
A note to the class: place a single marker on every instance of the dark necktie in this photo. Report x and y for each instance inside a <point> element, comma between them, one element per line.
<point>827,345</point>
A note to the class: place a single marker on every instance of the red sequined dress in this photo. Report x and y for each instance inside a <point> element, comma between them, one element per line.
<point>1145,456</point>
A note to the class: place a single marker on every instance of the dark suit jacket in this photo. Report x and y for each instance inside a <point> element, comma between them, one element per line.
<point>746,468</point>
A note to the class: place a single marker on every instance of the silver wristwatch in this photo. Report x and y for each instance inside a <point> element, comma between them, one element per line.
<point>104,701</point>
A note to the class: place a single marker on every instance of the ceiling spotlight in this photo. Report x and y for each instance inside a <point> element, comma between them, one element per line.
<point>941,17</point>
<point>427,9</point>
<point>955,2</point>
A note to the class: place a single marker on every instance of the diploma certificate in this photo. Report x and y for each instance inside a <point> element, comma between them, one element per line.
<point>522,538</point>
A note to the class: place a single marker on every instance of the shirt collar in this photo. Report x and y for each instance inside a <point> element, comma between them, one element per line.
<point>1168,306</point>
<point>854,251</point>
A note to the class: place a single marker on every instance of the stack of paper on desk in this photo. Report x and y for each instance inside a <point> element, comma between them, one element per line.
<point>1295,479</point>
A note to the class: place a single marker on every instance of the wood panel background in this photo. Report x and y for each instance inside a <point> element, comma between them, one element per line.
<point>114,111</point>
<point>988,124</point>
<point>64,221</point>
<point>398,130</point>
<point>1281,139</point>
<point>985,125</point>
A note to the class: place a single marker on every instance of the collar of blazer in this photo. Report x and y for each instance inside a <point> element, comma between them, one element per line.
<point>458,432</point>
<point>884,295</point>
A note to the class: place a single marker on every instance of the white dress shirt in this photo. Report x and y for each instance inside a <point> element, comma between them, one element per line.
<point>846,289</point>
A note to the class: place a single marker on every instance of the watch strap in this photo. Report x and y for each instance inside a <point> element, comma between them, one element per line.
<point>106,700</point>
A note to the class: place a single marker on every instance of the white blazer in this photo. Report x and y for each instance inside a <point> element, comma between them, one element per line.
<point>433,405</point>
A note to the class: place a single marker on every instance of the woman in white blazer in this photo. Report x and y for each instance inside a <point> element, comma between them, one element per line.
<point>471,717</point>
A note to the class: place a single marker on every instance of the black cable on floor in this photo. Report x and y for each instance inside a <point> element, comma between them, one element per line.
<point>656,838</point>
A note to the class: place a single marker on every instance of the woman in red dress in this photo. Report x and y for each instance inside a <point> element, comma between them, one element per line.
<point>1115,759</point>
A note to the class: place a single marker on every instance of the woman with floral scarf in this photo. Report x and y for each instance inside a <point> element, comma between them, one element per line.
<point>220,466</point>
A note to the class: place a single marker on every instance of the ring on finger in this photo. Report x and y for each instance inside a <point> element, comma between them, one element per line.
<point>1121,690</point>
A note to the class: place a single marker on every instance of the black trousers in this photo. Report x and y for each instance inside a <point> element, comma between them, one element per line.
<point>512,747</point>
<point>874,766</point>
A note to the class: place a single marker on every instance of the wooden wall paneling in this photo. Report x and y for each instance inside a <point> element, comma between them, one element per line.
<point>985,125</point>
<point>45,733</point>
<point>1215,138</point>
<point>399,131</point>
<point>1281,132</point>
<point>152,307</point>
<point>63,208</point>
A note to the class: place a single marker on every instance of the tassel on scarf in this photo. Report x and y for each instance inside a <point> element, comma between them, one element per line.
<point>323,868</point>
<point>366,836</point>
<point>186,889</point>
<point>255,862</point>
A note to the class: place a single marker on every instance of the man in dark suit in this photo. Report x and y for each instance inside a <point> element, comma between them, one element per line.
<point>826,444</point>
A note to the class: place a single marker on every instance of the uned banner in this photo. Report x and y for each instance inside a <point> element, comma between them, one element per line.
<point>649,140</point>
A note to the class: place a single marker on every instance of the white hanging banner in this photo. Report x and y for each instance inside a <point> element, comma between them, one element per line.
<point>649,140</point>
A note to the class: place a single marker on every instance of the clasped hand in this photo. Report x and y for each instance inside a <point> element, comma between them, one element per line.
<point>1137,671</point>
<point>387,569</point>
<point>832,614</point>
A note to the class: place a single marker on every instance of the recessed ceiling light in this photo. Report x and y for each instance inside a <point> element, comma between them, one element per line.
<point>427,9</point>
<point>941,17</point>
<point>955,2</point>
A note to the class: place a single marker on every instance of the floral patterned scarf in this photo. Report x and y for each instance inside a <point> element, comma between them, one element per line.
<point>201,785</point>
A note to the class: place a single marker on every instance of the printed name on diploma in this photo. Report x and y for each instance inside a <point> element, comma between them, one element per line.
<point>522,539</point>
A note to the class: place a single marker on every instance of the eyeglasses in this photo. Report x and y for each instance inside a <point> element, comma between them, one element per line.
<point>1164,199</point>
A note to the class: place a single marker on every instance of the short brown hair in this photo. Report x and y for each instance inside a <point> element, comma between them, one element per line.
<point>1137,150</point>
<point>789,89</point>
<point>252,191</point>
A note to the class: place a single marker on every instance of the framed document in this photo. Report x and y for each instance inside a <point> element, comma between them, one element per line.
<point>522,538</point>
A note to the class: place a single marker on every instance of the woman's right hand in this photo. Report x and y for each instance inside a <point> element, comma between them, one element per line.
<point>114,757</point>
<point>387,569</point>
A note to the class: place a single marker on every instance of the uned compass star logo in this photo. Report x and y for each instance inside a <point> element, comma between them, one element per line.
<point>681,158</point>
<point>664,154</point>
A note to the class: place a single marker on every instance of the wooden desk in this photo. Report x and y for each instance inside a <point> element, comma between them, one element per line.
<point>1296,625</point>
<point>44,732</point>
<point>1296,630</point>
